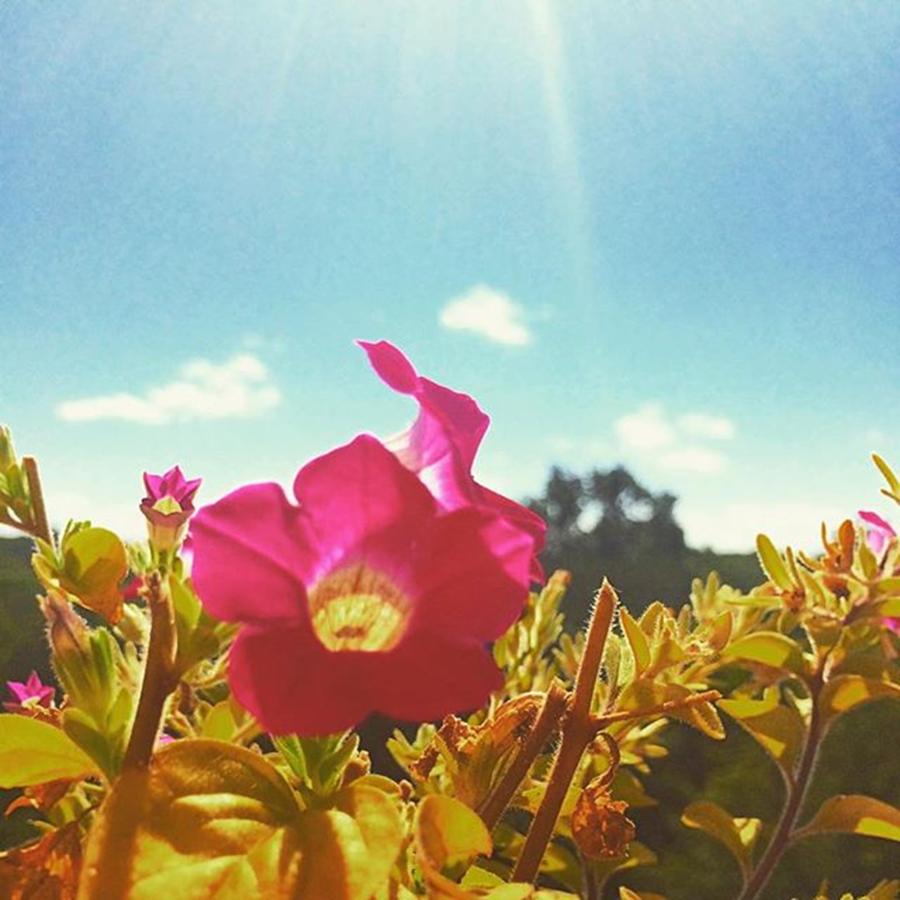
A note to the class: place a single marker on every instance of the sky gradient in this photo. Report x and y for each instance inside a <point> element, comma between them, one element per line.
<point>664,235</point>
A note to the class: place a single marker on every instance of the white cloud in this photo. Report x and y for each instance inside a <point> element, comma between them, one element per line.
<point>732,527</point>
<point>241,386</point>
<point>693,459</point>
<point>705,426</point>
<point>647,428</point>
<point>489,313</point>
<point>673,441</point>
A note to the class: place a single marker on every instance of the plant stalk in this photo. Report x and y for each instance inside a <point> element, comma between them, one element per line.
<point>797,790</point>
<point>159,675</point>
<point>545,724</point>
<point>578,731</point>
<point>40,523</point>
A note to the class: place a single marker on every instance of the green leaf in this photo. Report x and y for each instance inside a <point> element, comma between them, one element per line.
<point>772,563</point>
<point>844,692</point>
<point>637,640</point>
<point>349,850</point>
<point>855,814</point>
<point>92,563</point>
<point>197,635</point>
<point>213,819</point>
<point>778,728</point>
<point>219,723</point>
<point>34,752</point>
<point>448,832</point>
<point>770,648</point>
<point>737,834</point>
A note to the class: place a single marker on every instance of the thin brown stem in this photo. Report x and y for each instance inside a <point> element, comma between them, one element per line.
<point>578,732</point>
<point>546,723</point>
<point>797,790</point>
<point>625,715</point>
<point>40,523</point>
<point>159,675</point>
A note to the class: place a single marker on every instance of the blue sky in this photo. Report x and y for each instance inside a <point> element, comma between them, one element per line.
<point>663,234</point>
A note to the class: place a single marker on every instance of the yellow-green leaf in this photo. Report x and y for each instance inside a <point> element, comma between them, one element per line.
<point>637,640</point>
<point>213,819</point>
<point>855,814</point>
<point>737,834</point>
<point>772,563</point>
<point>448,832</point>
<point>846,691</point>
<point>348,851</point>
<point>778,728</point>
<point>34,752</point>
<point>769,648</point>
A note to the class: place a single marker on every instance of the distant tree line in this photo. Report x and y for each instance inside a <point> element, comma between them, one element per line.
<point>606,523</point>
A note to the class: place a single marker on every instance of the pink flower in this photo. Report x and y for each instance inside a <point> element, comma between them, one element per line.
<point>441,444</point>
<point>168,505</point>
<point>878,531</point>
<point>367,596</point>
<point>29,693</point>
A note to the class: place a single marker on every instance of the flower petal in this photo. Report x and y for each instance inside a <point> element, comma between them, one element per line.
<point>879,530</point>
<point>293,685</point>
<point>392,366</point>
<point>355,492</point>
<point>250,554</point>
<point>450,424</point>
<point>472,575</point>
<point>429,676</point>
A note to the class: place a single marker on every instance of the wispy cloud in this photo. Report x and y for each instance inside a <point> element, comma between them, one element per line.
<point>647,428</point>
<point>237,388</point>
<point>674,441</point>
<point>693,459</point>
<point>705,426</point>
<point>489,313</point>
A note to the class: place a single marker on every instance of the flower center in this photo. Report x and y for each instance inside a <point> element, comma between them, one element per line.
<point>357,608</point>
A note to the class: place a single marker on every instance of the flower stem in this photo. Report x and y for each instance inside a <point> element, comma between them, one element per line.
<point>546,723</point>
<point>159,675</point>
<point>578,732</point>
<point>797,790</point>
<point>40,523</point>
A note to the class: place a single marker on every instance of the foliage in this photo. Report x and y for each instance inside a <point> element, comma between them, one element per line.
<point>149,776</point>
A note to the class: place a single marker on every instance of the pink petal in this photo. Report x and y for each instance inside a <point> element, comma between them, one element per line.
<point>472,575</point>
<point>392,366</point>
<point>152,484</point>
<point>357,491</point>
<point>250,555</point>
<point>449,423</point>
<point>879,531</point>
<point>429,676</point>
<point>293,685</point>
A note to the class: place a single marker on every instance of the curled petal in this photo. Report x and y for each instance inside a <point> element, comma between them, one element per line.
<point>878,532</point>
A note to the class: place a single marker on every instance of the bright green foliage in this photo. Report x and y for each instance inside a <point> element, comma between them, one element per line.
<point>34,752</point>
<point>87,569</point>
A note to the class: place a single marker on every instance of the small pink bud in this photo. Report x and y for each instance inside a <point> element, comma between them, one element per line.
<point>168,506</point>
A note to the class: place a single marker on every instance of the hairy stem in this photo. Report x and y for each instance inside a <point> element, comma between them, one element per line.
<point>578,732</point>
<point>159,675</point>
<point>545,724</point>
<point>40,523</point>
<point>797,790</point>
